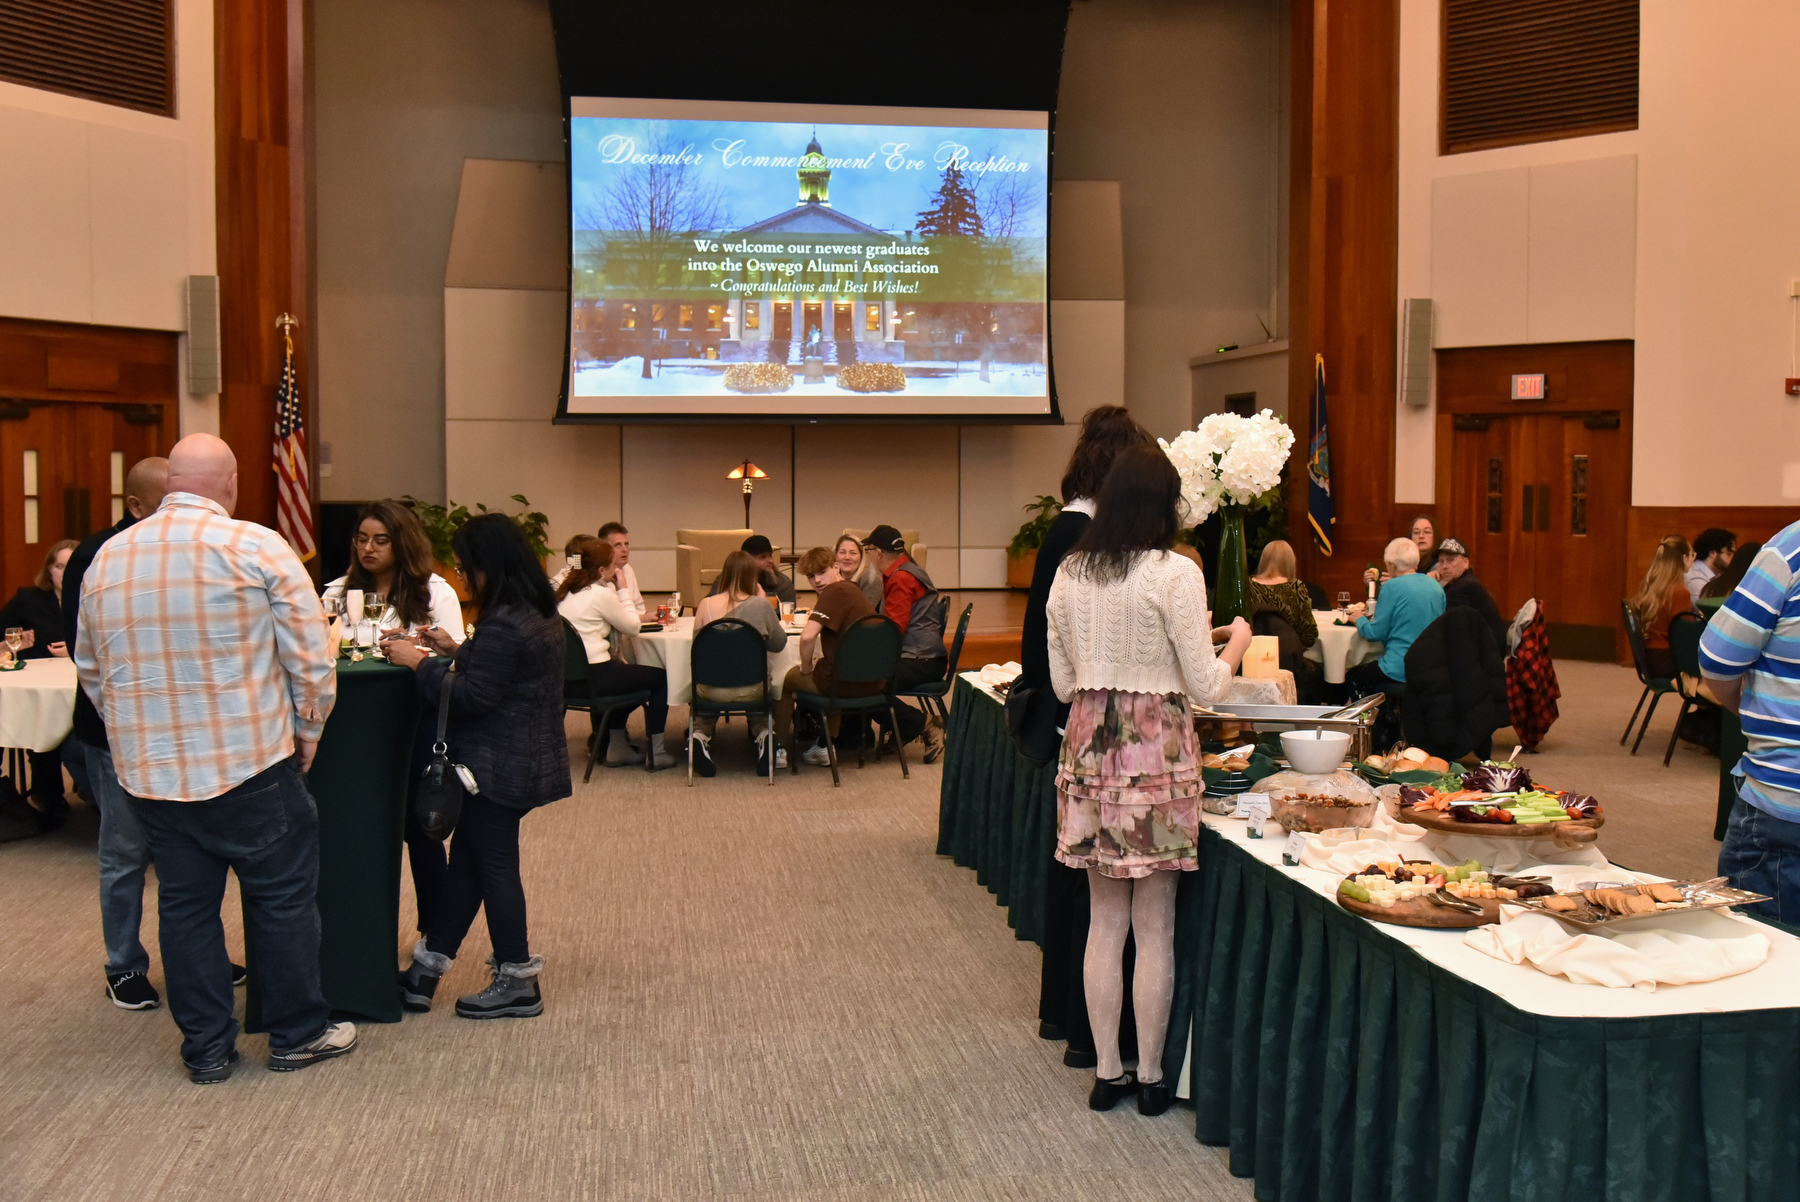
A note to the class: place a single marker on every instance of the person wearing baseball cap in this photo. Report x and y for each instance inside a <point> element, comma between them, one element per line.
<point>778,585</point>
<point>1462,588</point>
<point>910,600</point>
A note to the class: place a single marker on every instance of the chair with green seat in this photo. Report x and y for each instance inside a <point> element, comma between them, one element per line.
<point>1684,640</point>
<point>1655,687</point>
<point>579,695</point>
<point>868,654</point>
<point>729,654</point>
<point>931,694</point>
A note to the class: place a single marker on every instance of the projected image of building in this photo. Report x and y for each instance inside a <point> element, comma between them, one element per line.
<point>868,301</point>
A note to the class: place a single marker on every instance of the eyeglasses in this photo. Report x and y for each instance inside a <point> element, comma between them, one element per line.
<point>372,540</point>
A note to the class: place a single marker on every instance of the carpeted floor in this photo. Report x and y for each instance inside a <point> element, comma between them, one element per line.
<point>753,994</point>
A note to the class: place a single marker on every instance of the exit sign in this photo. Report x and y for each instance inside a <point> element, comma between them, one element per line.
<point>1528,388</point>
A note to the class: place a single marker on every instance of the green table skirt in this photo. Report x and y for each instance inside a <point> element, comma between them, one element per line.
<point>358,780</point>
<point>997,810</point>
<point>1336,1063</point>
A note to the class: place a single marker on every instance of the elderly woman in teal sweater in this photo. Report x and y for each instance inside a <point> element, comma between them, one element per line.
<point>1409,603</point>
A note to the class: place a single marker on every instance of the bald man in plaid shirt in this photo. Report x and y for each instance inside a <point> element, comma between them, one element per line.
<point>203,646</point>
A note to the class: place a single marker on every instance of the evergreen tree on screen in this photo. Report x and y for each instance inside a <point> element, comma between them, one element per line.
<point>954,207</point>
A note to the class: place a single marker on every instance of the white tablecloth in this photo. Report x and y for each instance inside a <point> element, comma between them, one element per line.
<point>37,704</point>
<point>1339,647</point>
<point>672,650</point>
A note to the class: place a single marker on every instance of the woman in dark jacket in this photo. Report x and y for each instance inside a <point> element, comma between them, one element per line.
<point>37,608</point>
<point>1062,999</point>
<point>506,727</point>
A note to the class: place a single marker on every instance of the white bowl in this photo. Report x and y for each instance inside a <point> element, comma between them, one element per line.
<point>1315,752</point>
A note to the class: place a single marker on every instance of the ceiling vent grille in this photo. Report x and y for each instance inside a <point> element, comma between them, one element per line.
<point>1537,70</point>
<point>114,51</point>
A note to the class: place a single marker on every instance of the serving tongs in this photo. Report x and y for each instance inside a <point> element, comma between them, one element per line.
<point>1357,707</point>
<point>1449,900</point>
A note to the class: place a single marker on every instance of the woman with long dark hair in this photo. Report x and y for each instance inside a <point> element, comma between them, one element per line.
<point>390,555</point>
<point>596,611</point>
<point>1062,1008</point>
<point>506,728</point>
<point>1130,645</point>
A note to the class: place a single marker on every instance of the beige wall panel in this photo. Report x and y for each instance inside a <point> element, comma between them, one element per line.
<point>1583,250</point>
<point>1479,257</point>
<point>46,257</point>
<point>675,478</point>
<point>382,445</point>
<point>137,186</point>
<point>1086,243</point>
<point>570,473</point>
<point>511,226</point>
<point>862,476</point>
<point>503,352</point>
<point>1265,375</point>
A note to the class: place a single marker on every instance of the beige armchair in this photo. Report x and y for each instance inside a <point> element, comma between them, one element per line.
<point>915,548</point>
<point>699,554</point>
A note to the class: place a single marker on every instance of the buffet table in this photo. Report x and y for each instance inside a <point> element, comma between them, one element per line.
<point>358,781</point>
<point>672,650</point>
<point>1340,1058</point>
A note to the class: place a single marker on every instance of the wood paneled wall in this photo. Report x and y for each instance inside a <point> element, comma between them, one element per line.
<point>1344,243</point>
<point>65,361</point>
<point>1647,525</point>
<point>264,247</point>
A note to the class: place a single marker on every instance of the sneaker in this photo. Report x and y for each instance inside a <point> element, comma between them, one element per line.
<point>339,1039</point>
<point>239,974</point>
<point>514,993</point>
<point>763,740</point>
<point>702,752</point>
<point>214,1074</point>
<point>417,987</point>
<point>934,739</point>
<point>817,756</point>
<point>132,991</point>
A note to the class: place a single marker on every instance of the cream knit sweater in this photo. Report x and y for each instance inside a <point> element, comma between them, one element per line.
<point>1147,633</point>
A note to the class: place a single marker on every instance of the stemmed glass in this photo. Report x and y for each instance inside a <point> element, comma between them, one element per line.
<point>1344,600</point>
<point>15,640</point>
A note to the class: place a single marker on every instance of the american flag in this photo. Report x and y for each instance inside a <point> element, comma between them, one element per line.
<point>293,490</point>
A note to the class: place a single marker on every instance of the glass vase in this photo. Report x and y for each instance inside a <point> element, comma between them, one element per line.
<point>1231,592</point>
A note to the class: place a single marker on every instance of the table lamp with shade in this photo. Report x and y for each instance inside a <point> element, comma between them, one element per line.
<point>749,473</point>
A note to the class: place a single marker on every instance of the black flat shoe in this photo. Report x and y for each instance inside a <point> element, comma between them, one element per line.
<point>1155,1097</point>
<point>1052,1031</point>
<point>1075,1058</point>
<point>1108,1094</point>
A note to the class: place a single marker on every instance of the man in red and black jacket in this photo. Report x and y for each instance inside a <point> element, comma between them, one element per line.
<point>912,603</point>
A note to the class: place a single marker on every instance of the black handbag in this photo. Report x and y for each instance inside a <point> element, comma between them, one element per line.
<point>441,791</point>
<point>1032,716</point>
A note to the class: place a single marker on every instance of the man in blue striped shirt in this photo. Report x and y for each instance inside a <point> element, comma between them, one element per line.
<point>1750,655</point>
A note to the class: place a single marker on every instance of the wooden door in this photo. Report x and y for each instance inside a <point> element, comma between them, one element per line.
<point>62,475</point>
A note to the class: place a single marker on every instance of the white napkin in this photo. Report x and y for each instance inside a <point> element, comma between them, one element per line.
<point>1638,957</point>
<point>994,674</point>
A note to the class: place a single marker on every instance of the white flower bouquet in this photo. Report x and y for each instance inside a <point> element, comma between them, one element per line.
<point>1229,460</point>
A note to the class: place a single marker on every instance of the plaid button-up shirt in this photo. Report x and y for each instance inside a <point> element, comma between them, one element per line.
<point>204,648</point>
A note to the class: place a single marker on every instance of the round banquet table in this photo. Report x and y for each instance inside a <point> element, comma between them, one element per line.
<point>37,704</point>
<point>1339,647</point>
<point>672,650</point>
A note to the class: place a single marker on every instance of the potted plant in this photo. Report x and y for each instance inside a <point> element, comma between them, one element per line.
<point>1021,553</point>
<point>441,523</point>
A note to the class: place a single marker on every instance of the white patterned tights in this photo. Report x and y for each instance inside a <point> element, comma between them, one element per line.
<point>1146,907</point>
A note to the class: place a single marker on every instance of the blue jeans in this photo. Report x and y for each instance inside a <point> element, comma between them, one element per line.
<point>265,830</point>
<point>1762,853</point>
<point>124,854</point>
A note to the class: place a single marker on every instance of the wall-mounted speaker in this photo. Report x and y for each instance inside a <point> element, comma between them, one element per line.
<point>1415,352</point>
<point>205,362</point>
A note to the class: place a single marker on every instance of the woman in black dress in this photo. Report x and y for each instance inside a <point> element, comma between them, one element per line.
<point>1062,999</point>
<point>37,609</point>
<point>506,728</point>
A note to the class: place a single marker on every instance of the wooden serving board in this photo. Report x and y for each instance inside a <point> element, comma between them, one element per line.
<point>1421,913</point>
<point>1576,830</point>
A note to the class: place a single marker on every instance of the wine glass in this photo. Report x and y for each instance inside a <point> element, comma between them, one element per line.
<point>675,606</point>
<point>1344,600</point>
<point>15,639</point>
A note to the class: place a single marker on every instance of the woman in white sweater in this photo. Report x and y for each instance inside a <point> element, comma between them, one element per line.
<point>1130,646</point>
<point>595,611</point>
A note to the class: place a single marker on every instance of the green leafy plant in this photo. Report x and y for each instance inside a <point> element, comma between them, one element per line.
<point>441,523</point>
<point>1030,536</point>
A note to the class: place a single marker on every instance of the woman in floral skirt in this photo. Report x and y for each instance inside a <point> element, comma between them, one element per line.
<point>1130,646</point>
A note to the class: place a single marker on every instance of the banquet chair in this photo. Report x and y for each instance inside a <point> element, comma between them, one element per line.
<point>931,694</point>
<point>579,695</point>
<point>699,554</point>
<point>1684,640</point>
<point>729,654</point>
<point>868,653</point>
<point>1654,686</point>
